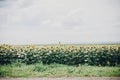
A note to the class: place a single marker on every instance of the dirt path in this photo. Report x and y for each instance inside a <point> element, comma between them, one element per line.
<point>76,78</point>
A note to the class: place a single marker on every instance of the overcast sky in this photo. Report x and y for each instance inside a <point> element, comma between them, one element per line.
<point>51,21</point>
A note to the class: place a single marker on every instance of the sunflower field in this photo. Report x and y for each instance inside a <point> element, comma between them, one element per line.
<point>99,55</point>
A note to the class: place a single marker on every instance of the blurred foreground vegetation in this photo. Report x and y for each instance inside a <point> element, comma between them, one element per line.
<point>57,70</point>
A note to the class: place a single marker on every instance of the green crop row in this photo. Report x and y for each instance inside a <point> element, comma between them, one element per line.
<point>62,54</point>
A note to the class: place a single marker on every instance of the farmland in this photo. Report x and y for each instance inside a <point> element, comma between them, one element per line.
<point>54,60</point>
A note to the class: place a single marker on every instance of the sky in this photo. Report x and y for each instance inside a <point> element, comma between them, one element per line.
<point>65,21</point>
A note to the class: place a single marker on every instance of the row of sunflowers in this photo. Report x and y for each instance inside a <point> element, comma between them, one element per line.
<point>99,55</point>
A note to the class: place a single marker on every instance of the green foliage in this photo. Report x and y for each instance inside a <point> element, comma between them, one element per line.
<point>5,70</point>
<point>40,68</point>
<point>56,70</point>
<point>100,55</point>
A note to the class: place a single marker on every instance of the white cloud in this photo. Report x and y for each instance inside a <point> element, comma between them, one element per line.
<point>50,21</point>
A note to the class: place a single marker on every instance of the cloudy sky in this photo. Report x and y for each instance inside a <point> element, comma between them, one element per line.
<point>67,21</point>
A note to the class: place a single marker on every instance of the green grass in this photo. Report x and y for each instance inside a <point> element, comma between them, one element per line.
<point>57,70</point>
